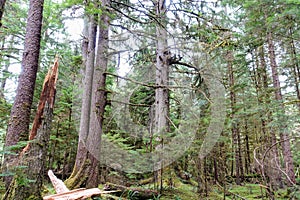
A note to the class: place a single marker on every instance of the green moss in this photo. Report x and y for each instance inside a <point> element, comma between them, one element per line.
<point>247,191</point>
<point>77,177</point>
<point>48,189</point>
<point>179,191</point>
<point>32,197</point>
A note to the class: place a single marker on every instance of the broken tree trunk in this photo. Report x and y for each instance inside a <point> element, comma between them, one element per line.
<point>28,180</point>
<point>64,193</point>
<point>76,194</point>
<point>58,184</point>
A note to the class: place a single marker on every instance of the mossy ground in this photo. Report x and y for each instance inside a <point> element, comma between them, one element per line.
<point>247,191</point>
<point>183,191</point>
<point>2,189</point>
<point>250,191</point>
<point>188,191</point>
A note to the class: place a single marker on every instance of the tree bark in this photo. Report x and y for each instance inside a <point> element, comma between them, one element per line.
<point>5,71</point>
<point>18,126</point>
<point>295,67</point>
<point>99,95</point>
<point>3,82</point>
<point>285,144</point>
<point>2,5</point>
<point>81,167</point>
<point>269,135</point>
<point>87,93</point>
<point>27,182</point>
<point>161,124</point>
<point>235,130</point>
<point>86,168</point>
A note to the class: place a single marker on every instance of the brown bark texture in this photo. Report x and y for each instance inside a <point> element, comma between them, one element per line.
<point>235,130</point>
<point>18,126</point>
<point>28,181</point>
<point>99,96</point>
<point>295,67</point>
<point>284,137</point>
<point>86,169</point>
<point>269,135</point>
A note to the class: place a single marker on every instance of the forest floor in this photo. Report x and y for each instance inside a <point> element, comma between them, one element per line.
<point>247,191</point>
<point>188,191</point>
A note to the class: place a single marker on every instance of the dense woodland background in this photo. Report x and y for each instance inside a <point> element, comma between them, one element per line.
<point>124,82</point>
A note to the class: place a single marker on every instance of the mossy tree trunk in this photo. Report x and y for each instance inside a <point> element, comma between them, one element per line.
<point>28,180</point>
<point>18,126</point>
<point>86,169</point>
<point>82,161</point>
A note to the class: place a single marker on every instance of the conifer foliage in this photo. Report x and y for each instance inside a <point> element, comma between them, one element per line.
<point>153,97</point>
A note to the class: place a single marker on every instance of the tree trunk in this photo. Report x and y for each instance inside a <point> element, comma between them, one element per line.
<point>28,182</point>
<point>2,4</point>
<point>247,150</point>
<point>235,130</point>
<point>18,126</point>
<point>87,93</point>
<point>81,169</point>
<point>285,141</point>
<point>85,41</point>
<point>295,67</point>
<point>3,81</point>
<point>99,95</point>
<point>269,136</point>
<point>86,168</point>
<point>161,124</point>
<point>5,71</point>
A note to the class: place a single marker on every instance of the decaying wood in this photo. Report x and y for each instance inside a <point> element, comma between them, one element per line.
<point>63,193</point>
<point>75,194</point>
<point>34,154</point>
<point>58,184</point>
<point>47,95</point>
<point>138,192</point>
<point>146,181</point>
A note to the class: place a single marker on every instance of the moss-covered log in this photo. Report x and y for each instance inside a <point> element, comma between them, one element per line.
<point>134,193</point>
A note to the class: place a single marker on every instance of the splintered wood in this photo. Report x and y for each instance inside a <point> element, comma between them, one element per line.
<point>58,184</point>
<point>75,194</point>
<point>47,95</point>
<point>63,193</point>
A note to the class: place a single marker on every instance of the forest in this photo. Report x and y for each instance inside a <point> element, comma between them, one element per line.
<point>149,99</point>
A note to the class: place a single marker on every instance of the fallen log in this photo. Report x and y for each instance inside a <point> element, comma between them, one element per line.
<point>146,181</point>
<point>58,184</point>
<point>76,194</point>
<point>63,193</point>
<point>137,193</point>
